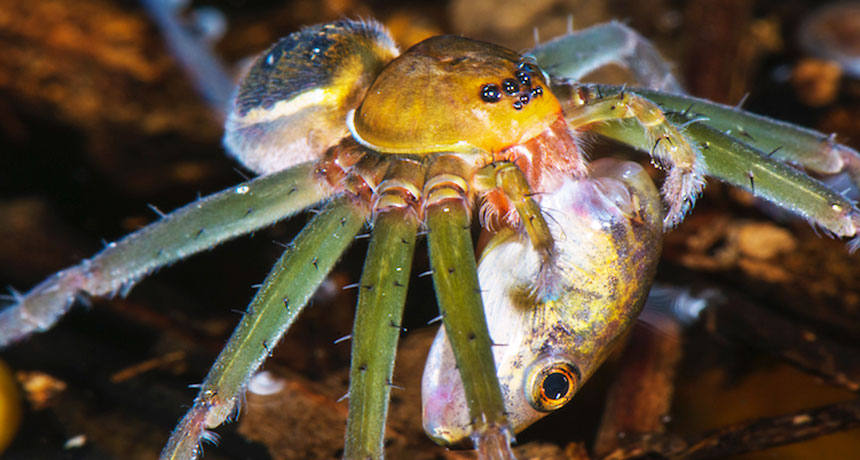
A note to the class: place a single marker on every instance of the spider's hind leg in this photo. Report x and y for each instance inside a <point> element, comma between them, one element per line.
<point>186,231</point>
<point>208,74</point>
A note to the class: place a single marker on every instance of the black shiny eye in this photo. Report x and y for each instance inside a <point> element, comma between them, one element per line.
<point>510,86</point>
<point>524,98</point>
<point>538,91</point>
<point>551,384</point>
<point>526,67</point>
<point>555,386</point>
<point>524,78</point>
<point>518,105</point>
<point>490,93</point>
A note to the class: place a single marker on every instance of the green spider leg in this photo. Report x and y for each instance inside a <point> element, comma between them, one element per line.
<point>814,151</point>
<point>738,147</point>
<point>742,165</point>
<point>381,298</point>
<point>456,281</point>
<point>284,293</point>
<point>455,278</point>
<point>575,54</point>
<point>188,230</point>
<point>383,287</point>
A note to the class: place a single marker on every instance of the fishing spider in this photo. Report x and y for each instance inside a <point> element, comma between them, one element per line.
<point>450,131</point>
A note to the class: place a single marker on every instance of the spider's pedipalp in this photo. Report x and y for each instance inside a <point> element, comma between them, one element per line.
<point>505,187</point>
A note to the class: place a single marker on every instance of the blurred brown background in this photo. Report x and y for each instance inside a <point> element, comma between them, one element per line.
<point>97,121</point>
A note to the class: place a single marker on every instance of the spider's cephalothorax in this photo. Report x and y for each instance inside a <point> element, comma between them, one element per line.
<point>332,115</point>
<point>446,95</point>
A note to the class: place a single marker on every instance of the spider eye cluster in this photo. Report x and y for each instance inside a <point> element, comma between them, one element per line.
<point>518,88</point>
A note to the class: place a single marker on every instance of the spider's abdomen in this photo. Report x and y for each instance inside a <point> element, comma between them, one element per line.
<point>292,104</point>
<point>453,94</point>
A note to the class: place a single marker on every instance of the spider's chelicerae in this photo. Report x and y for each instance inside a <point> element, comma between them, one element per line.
<point>450,131</point>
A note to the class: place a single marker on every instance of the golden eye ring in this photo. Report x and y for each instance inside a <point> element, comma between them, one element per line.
<point>551,384</point>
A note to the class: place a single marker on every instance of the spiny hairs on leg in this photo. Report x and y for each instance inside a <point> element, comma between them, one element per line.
<point>669,148</point>
<point>186,442</point>
<point>814,151</point>
<point>40,308</point>
<point>760,141</point>
<point>193,228</point>
<point>741,164</point>
<point>683,183</point>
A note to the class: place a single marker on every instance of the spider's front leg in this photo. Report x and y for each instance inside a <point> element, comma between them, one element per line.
<point>574,55</point>
<point>669,148</point>
<point>814,151</point>
<point>381,298</point>
<point>735,146</point>
<point>455,278</point>
<point>740,161</point>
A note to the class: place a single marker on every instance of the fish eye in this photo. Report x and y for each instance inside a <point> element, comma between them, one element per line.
<point>551,384</point>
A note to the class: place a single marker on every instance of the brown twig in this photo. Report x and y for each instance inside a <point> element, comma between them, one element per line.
<point>747,436</point>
